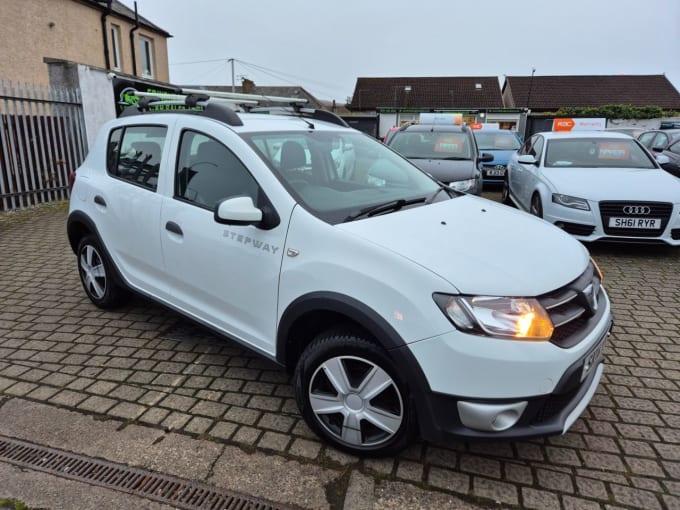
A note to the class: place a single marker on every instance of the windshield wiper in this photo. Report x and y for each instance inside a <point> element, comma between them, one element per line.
<point>443,187</point>
<point>455,158</point>
<point>393,205</point>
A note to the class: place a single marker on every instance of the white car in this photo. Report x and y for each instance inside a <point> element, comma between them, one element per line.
<point>380,289</point>
<point>595,186</point>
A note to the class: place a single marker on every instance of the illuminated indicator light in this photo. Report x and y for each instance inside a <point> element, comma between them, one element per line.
<point>597,269</point>
<point>524,323</point>
<point>398,316</point>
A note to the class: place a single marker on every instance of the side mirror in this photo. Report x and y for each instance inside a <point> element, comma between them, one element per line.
<point>485,157</point>
<point>527,159</point>
<point>237,211</point>
<point>657,149</point>
<point>662,159</point>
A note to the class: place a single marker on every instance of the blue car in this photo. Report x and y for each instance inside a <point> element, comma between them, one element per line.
<point>502,144</point>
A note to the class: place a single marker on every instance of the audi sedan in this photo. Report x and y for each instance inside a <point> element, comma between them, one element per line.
<point>595,186</point>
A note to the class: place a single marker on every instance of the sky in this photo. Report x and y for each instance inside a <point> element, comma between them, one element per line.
<point>324,46</point>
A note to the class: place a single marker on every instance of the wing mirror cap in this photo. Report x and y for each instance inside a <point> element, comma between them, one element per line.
<point>662,159</point>
<point>527,159</point>
<point>237,211</point>
<point>485,157</point>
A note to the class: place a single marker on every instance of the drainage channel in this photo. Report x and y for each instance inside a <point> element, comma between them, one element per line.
<point>162,488</point>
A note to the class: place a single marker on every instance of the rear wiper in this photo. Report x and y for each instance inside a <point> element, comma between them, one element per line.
<point>393,205</point>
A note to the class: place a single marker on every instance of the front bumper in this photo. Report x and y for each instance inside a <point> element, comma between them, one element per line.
<point>498,169</point>
<point>552,414</point>
<point>588,226</point>
<point>485,389</point>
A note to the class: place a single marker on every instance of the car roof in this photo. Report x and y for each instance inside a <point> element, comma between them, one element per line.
<point>250,122</point>
<point>552,135</point>
<point>672,132</point>
<point>437,128</point>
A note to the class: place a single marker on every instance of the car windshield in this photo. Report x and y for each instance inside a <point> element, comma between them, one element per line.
<point>597,153</point>
<point>431,145</point>
<point>496,141</point>
<point>337,174</point>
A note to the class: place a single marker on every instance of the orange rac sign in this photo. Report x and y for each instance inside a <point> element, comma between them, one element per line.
<point>563,124</point>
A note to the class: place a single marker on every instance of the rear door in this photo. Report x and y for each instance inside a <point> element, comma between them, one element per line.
<point>127,208</point>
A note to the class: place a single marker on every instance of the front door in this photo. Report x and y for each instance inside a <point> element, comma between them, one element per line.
<point>225,275</point>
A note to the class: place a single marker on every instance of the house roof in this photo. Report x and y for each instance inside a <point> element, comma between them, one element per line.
<point>435,92</point>
<point>554,92</point>
<point>124,11</point>
<point>280,91</point>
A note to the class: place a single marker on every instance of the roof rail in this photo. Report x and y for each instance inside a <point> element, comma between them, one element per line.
<point>193,104</point>
<point>210,104</point>
<point>298,111</point>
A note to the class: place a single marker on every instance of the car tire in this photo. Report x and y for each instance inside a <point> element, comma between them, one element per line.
<point>505,191</point>
<point>536,205</point>
<point>97,275</point>
<point>350,393</point>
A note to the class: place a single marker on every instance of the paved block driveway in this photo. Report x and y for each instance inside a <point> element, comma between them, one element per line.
<point>146,364</point>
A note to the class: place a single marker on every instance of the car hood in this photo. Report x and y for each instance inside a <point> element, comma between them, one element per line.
<point>499,157</point>
<point>478,246</point>
<point>615,183</point>
<point>446,170</point>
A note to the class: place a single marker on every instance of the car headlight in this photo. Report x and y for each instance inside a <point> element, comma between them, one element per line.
<point>499,317</point>
<point>572,202</point>
<point>465,185</point>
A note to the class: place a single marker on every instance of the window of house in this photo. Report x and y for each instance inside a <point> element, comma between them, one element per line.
<point>134,154</point>
<point>146,50</point>
<point>115,46</point>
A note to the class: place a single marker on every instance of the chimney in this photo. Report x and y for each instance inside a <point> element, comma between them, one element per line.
<point>247,85</point>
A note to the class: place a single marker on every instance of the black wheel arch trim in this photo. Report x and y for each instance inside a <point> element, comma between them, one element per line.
<point>335,302</point>
<point>72,229</point>
<point>387,337</point>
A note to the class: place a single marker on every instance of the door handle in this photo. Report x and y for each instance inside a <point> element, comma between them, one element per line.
<point>99,200</point>
<point>173,227</point>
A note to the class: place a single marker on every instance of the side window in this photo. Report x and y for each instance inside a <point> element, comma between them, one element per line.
<point>208,172</point>
<point>134,154</point>
<point>661,140</point>
<point>646,138</point>
<point>537,148</point>
<point>524,149</point>
<point>675,148</point>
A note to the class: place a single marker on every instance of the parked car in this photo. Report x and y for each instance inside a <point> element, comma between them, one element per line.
<point>390,133</point>
<point>501,144</point>
<point>381,290</point>
<point>658,139</point>
<point>630,131</point>
<point>669,159</point>
<point>596,186</point>
<point>447,152</point>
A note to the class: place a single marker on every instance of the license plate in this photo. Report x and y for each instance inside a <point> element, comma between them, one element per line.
<point>495,173</point>
<point>650,223</point>
<point>592,358</point>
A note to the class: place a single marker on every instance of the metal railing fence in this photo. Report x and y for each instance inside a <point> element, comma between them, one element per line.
<point>42,140</point>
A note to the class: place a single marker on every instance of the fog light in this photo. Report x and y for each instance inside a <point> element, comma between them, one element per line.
<point>490,417</point>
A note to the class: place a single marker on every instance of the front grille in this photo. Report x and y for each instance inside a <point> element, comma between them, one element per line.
<point>657,210</point>
<point>571,310</point>
<point>576,229</point>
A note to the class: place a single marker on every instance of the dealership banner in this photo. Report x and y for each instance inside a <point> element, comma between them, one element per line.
<point>581,124</point>
<point>123,89</point>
